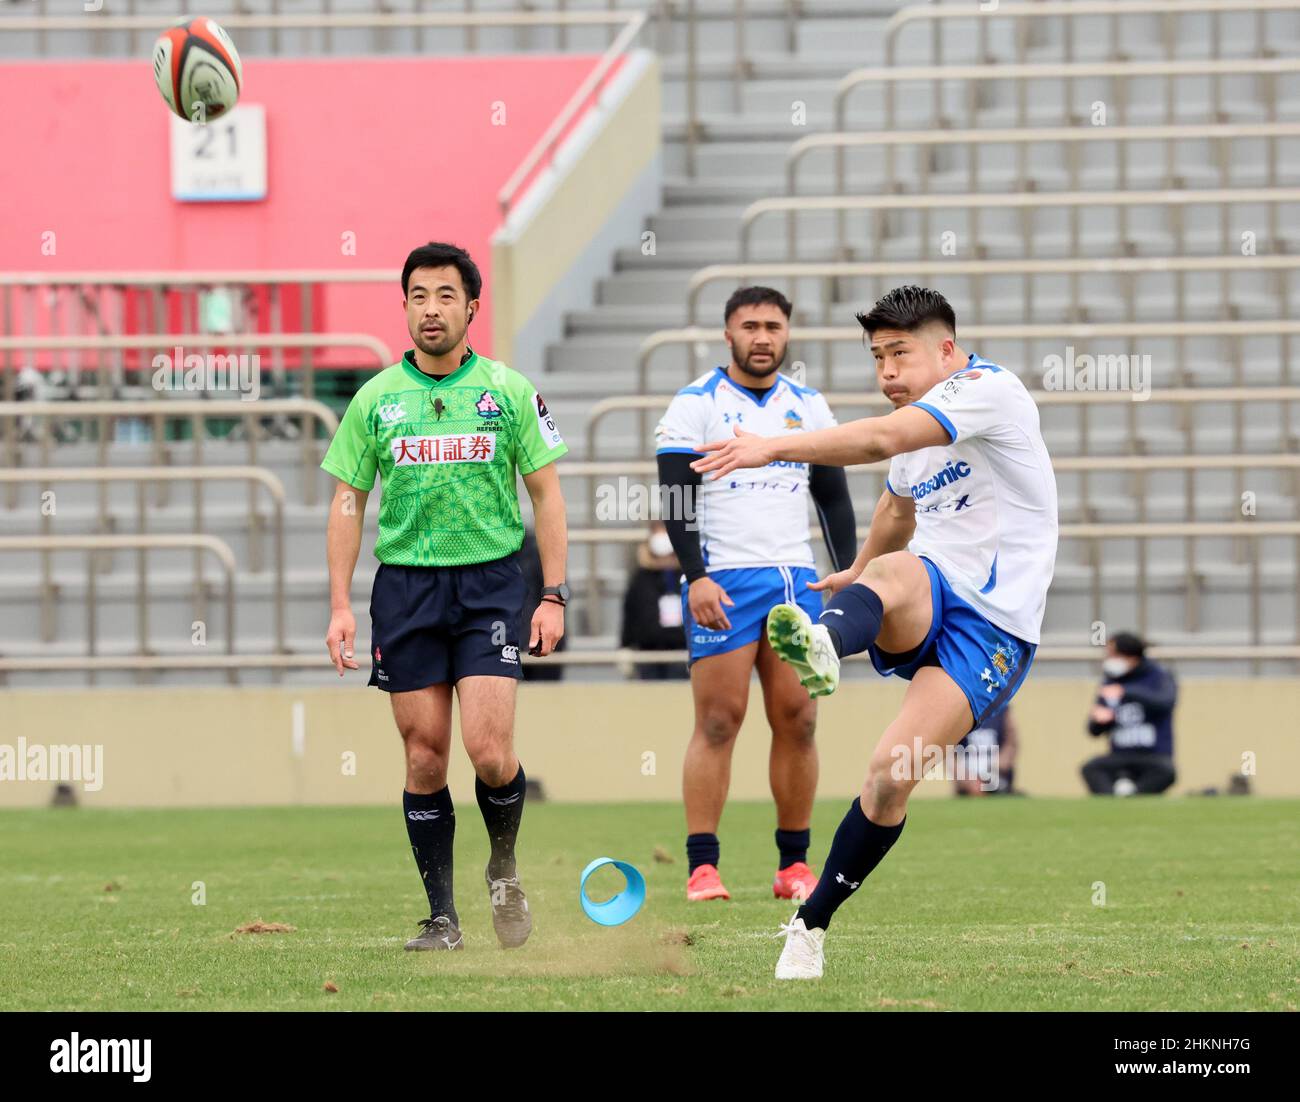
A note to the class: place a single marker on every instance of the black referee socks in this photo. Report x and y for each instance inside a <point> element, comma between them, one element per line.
<point>853,618</point>
<point>502,809</point>
<point>859,846</point>
<point>431,826</point>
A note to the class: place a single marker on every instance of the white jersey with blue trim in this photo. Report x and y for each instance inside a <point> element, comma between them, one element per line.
<point>750,517</point>
<point>986,501</point>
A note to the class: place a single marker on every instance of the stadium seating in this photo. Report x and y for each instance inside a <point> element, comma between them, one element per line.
<point>750,110</point>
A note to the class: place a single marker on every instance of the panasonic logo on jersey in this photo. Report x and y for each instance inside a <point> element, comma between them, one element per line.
<point>951,473</point>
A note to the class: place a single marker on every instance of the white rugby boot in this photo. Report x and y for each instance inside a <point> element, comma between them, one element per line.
<point>803,956</point>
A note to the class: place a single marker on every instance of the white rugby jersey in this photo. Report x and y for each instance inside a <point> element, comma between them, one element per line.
<point>750,517</point>
<point>986,502</point>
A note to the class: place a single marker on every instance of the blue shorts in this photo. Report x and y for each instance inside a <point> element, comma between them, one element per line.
<point>986,661</point>
<point>755,590</point>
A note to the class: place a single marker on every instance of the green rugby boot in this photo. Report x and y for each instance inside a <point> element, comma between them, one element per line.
<point>806,646</point>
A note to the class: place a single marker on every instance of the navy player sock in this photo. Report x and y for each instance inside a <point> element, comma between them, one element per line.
<point>431,826</point>
<point>702,849</point>
<point>793,845</point>
<point>502,809</point>
<point>853,618</point>
<point>858,848</point>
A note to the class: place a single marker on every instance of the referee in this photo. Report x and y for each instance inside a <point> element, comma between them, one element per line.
<point>446,430</point>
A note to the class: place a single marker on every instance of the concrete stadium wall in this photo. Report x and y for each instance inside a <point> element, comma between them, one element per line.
<point>595,198</point>
<point>585,742</point>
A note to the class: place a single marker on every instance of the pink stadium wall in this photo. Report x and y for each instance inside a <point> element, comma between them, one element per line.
<point>424,161</point>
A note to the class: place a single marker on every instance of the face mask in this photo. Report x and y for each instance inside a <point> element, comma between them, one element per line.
<point>1115,667</point>
<point>660,544</point>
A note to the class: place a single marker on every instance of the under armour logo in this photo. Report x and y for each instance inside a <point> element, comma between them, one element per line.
<point>852,885</point>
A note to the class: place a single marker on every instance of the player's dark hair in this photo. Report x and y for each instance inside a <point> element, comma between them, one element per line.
<point>908,308</point>
<point>438,254</point>
<point>1129,645</point>
<point>756,296</point>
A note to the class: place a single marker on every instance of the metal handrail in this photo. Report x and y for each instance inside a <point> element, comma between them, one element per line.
<point>891,75</point>
<point>159,280</point>
<point>1142,532</point>
<point>1074,200</point>
<point>102,412</point>
<point>621,656</point>
<point>111,342</point>
<point>1003,135</point>
<point>1070,330</point>
<point>141,475</point>
<point>694,336</point>
<point>586,468</point>
<point>1073,138</point>
<point>1126,266</point>
<point>201,277</point>
<point>225,556</point>
<point>624,403</point>
<point>334,20</point>
<point>586,91</point>
<point>1067,12</point>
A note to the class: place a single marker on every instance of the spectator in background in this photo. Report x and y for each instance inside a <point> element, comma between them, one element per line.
<point>1135,707</point>
<point>990,758</point>
<point>652,606</point>
<point>530,562</point>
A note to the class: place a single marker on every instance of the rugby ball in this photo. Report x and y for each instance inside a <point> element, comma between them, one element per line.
<point>197,70</point>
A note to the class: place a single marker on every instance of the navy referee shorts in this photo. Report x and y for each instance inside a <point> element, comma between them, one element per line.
<point>433,625</point>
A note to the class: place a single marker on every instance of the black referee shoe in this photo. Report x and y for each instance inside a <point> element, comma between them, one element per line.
<point>437,933</point>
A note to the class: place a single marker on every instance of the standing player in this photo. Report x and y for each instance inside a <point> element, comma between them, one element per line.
<point>447,429</point>
<point>949,589</point>
<point>745,548</point>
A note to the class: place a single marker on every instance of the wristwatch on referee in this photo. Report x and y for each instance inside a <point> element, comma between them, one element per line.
<point>559,593</point>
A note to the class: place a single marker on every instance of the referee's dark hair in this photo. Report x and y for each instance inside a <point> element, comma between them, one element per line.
<point>756,296</point>
<point>908,308</point>
<point>438,254</point>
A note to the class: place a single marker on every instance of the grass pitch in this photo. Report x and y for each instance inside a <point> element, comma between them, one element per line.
<point>990,904</point>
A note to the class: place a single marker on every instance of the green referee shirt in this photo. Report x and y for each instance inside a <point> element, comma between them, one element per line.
<point>447,453</point>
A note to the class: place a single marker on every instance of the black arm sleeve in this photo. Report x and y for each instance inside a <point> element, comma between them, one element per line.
<point>829,487</point>
<point>679,486</point>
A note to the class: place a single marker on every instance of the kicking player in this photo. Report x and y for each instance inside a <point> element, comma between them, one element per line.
<point>743,546</point>
<point>948,590</point>
<point>447,429</point>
